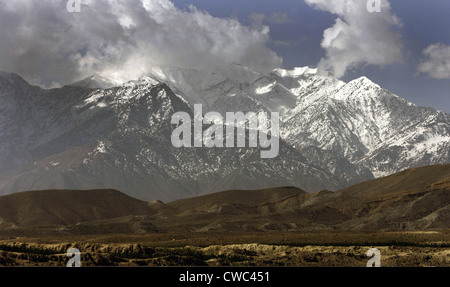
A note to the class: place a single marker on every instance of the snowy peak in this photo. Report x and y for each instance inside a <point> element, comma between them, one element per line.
<point>359,88</point>
<point>296,72</point>
<point>94,82</point>
<point>333,134</point>
<point>364,81</point>
<point>207,87</point>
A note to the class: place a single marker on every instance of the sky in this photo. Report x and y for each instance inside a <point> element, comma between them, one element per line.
<point>404,46</point>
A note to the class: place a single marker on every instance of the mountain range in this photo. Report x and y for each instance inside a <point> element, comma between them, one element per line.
<point>97,135</point>
<point>414,199</point>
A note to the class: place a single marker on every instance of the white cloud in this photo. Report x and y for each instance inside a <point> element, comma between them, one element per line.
<point>358,37</point>
<point>436,62</point>
<point>121,40</point>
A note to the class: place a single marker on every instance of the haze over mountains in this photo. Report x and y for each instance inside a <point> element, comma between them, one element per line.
<point>416,199</point>
<point>92,135</point>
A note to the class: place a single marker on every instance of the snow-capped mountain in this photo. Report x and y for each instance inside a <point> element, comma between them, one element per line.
<point>92,135</point>
<point>80,138</point>
<point>336,124</point>
<point>367,125</point>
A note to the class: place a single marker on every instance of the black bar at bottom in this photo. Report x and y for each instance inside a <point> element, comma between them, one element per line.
<point>223,276</point>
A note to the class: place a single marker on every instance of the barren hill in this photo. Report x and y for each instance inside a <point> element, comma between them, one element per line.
<point>50,208</point>
<point>415,199</point>
<point>239,197</point>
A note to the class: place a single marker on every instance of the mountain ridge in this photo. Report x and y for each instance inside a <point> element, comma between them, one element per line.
<point>414,199</point>
<point>333,134</point>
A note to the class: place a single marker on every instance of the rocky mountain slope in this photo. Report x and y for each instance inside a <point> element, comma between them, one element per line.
<point>79,138</point>
<point>355,127</point>
<point>355,130</point>
<point>90,135</point>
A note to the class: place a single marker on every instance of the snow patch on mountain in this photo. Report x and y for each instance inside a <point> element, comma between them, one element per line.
<point>333,133</point>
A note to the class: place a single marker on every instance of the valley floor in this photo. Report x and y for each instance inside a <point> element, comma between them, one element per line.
<point>329,249</point>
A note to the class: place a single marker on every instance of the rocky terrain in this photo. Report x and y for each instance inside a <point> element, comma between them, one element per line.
<point>402,249</point>
<point>94,135</point>
<point>404,215</point>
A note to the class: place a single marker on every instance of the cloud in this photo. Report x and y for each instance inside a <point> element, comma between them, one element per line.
<point>358,37</point>
<point>121,40</point>
<point>278,18</point>
<point>436,62</point>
